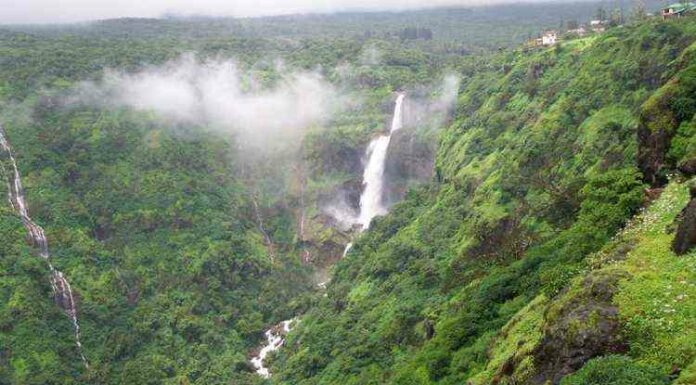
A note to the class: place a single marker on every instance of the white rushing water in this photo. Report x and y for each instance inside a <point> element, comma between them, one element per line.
<point>275,337</point>
<point>371,199</point>
<point>61,287</point>
<point>347,249</point>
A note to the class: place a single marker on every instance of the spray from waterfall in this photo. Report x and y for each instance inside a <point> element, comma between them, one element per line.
<point>60,285</point>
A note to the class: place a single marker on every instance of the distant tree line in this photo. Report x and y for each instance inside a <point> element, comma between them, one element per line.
<point>414,33</point>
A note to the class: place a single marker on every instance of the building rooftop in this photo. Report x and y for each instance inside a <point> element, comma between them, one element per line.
<point>681,7</point>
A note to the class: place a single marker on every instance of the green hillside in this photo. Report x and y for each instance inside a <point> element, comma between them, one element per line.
<point>511,267</point>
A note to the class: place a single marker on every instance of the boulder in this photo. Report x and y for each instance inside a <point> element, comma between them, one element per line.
<point>583,325</point>
<point>685,237</point>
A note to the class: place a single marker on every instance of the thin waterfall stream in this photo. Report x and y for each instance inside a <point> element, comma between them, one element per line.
<point>61,287</point>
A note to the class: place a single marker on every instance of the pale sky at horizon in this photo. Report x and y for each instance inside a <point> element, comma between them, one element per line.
<point>63,11</point>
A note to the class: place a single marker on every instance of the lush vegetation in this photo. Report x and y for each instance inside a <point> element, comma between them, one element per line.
<point>531,254</point>
<point>614,370</point>
<point>467,279</point>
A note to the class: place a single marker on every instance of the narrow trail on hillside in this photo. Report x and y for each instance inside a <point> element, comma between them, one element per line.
<point>61,287</point>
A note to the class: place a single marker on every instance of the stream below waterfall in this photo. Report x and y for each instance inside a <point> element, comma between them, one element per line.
<point>275,338</point>
<point>61,287</point>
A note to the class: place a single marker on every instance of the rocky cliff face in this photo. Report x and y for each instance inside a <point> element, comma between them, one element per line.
<point>412,150</point>
<point>409,161</point>
<point>662,121</point>
<point>685,238</point>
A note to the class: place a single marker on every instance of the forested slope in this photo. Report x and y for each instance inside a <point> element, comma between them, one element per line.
<point>154,233</point>
<point>508,267</point>
<point>159,226</point>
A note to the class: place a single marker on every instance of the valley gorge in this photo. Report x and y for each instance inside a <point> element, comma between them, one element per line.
<point>372,204</point>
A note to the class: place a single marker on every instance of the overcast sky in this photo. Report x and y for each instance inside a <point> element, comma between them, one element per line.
<point>49,11</point>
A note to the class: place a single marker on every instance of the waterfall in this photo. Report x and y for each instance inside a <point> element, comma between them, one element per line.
<point>347,249</point>
<point>275,337</point>
<point>60,285</point>
<point>371,199</point>
<point>259,220</point>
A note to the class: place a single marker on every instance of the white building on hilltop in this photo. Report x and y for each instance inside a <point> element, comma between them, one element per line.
<point>597,25</point>
<point>549,38</point>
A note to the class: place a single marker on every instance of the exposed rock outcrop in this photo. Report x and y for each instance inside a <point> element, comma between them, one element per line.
<point>410,160</point>
<point>582,326</point>
<point>685,238</point>
<point>688,167</point>
<point>654,135</point>
<point>660,118</point>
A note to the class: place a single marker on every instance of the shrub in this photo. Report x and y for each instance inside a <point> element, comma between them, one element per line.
<point>615,370</point>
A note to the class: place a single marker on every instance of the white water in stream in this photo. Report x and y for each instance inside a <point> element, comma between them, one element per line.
<point>61,287</point>
<point>347,249</point>
<point>275,337</point>
<point>371,199</point>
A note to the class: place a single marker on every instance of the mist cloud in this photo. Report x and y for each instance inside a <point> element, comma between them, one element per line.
<point>431,105</point>
<point>217,95</point>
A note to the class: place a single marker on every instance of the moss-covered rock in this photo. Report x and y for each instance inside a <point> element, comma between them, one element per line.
<point>660,120</point>
<point>579,326</point>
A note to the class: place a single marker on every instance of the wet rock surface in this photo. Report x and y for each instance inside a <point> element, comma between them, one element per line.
<point>652,147</point>
<point>410,160</point>
<point>688,167</point>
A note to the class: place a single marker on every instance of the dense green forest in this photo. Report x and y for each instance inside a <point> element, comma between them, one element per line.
<point>538,197</point>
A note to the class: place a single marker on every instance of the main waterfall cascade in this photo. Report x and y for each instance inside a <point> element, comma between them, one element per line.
<point>371,199</point>
<point>372,196</point>
<point>60,285</point>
